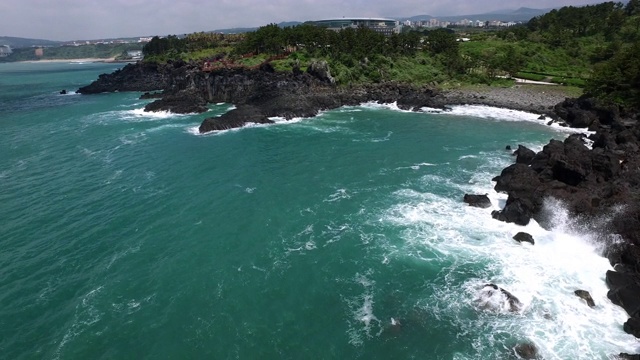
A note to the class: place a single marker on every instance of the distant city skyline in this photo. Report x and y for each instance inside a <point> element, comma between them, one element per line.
<point>65,20</point>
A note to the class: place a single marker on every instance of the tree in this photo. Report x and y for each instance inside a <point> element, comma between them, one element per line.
<point>618,79</point>
<point>442,41</point>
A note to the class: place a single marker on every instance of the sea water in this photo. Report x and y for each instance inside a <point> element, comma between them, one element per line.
<point>127,235</point>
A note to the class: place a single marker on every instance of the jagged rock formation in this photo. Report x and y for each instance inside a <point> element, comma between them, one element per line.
<point>601,183</point>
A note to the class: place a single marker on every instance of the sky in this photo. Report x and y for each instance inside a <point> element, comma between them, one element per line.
<point>97,19</point>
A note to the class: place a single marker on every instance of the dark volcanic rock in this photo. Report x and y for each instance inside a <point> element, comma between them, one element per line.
<point>616,280</point>
<point>489,291</point>
<point>625,356</point>
<point>182,103</point>
<point>481,201</point>
<point>632,326</point>
<point>582,112</point>
<point>624,291</point>
<point>526,350</point>
<point>524,155</point>
<point>63,92</point>
<point>234,119</point>
<point>524,237</point>
<point>132,77</point>
<point>583,294</point>
<point>518,212</point>
<point>149,95</point>
<point>627,297</point>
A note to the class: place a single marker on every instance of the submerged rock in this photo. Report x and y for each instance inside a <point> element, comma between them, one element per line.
<point>493,297</point>
<point>526,350</point>
<point>481,201</point>
<point>583,294</point>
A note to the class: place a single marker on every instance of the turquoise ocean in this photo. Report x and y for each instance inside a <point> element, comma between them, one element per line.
<point>126,235</point>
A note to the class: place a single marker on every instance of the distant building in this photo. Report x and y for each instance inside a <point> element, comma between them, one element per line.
<point>5,50</point>
<point>383,26</point>
<point>134,54</point>
<point>39,52</point>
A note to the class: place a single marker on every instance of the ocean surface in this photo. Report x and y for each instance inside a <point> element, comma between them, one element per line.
<point>126,235</point>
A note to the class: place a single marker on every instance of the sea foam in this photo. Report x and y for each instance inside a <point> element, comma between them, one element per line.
<point>543,276</point>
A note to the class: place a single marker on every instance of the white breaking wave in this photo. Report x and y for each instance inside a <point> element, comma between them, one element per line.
<point>141,114</point>
<point>502,114</point>
<point>374,105</point>
<point>543,276</point>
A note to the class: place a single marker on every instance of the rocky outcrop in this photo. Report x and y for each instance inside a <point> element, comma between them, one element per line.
<point>481,201</point>
<point>599,186</point>
<point>632,326</point>
<point>320,69</point>
<point>584,295</point>
<point>524,237</point>
<point>585,112</point>
<point>526,350</point>
<point>624,289</point>
<point>493,297</point>
<point>183,102</point>
<point>524,155</point>
<point>583,179</point>
<point>235,118</point>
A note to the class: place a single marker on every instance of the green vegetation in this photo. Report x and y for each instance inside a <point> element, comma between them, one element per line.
<point>98,51</point>
<point>595,47</point>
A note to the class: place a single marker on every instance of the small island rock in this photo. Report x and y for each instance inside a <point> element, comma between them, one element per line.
<point>524,237</point>
<point>481,201</point>
<point>583,294</point>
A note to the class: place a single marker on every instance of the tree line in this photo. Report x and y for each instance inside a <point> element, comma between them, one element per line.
<point>605,35</point>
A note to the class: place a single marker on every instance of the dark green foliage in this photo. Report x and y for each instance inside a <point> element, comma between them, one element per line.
<point>442,41</point>
<point>618,79</point>
<point>164,46</point>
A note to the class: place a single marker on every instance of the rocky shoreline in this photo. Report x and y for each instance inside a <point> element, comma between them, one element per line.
<point>263,93</point>
<point>596,177</point>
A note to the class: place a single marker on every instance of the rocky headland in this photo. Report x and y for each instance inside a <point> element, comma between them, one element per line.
<point>261,93</point>
<point>597,177</point>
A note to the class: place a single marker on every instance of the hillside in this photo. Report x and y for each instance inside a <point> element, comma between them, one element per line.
<point>17,42</point>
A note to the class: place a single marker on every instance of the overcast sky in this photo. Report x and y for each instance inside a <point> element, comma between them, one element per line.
<point>95,19</point>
